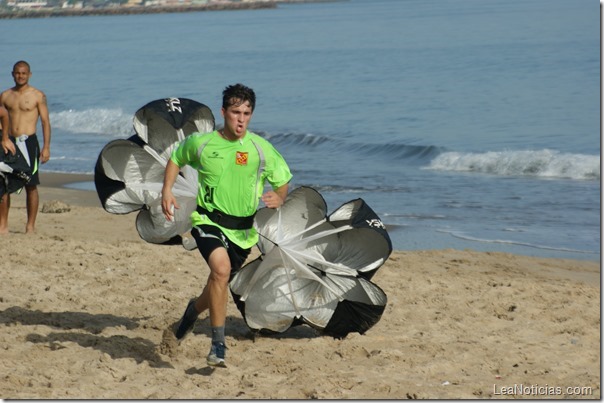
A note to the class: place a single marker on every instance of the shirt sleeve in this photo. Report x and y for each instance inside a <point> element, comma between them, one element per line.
<point>277,171</point>
<point>186,152</point>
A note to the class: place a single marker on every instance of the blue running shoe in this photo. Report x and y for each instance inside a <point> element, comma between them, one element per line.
<point>185,326</point>
<point>217,354</point>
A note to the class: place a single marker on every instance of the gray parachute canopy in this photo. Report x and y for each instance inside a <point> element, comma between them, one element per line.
<point>314,269</point>
<point>129,173</point>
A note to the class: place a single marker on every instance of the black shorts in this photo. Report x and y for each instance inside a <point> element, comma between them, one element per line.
<point>209,237</point>
<point>33,150</point>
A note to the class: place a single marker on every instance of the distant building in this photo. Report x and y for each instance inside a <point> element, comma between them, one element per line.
<point>27,4</point>
<point>75,5</point>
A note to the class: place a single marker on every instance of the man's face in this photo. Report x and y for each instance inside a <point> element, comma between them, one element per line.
<point>236,119</point>
<point>21,75</point>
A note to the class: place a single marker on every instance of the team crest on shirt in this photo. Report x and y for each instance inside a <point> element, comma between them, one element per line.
<point>241,158</point>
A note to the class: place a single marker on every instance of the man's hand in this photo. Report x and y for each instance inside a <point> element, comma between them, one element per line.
<point>8,146</point>
<point>168,204</point>
<point>44,155</point>
<point>168,201</point>
<point>272,200</point>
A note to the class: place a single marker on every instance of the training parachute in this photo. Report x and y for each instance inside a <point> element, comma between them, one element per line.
<point>314,269</point>
<point>129,173</point>
<point>15,169</point>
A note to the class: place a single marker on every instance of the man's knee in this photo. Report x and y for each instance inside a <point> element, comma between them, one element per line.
<point>220,265</point>
<point>221,273</point>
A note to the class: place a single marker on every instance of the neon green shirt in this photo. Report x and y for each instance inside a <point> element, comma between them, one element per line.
<point>232,175</point>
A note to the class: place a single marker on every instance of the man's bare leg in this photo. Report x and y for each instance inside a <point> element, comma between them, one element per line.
<point>4,207</point>
<point>215,295</point>
<point>218,287</point>
<point>32,208</point>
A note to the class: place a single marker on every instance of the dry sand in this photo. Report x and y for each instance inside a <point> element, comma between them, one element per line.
<point>85,305</point>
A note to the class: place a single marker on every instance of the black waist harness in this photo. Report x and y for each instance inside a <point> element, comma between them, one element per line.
<point>228,221</point>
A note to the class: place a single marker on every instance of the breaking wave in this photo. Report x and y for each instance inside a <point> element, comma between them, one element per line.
<point>543,163</point>
<point>109,122</point>
<point>397,151</point>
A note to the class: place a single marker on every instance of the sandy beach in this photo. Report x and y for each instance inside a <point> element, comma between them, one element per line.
<point>86,307</point>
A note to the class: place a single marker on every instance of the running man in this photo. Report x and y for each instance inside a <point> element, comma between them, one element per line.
<point>233,165</point>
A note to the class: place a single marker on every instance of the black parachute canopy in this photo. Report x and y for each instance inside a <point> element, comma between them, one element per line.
<point>314,269</point>
<point>129,173</point>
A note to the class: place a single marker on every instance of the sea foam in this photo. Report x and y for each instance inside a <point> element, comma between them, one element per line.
<point>109,122</point>
<point>541,163</point>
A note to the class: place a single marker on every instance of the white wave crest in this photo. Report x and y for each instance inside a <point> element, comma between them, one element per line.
<point>543,163</point>
<point>110,122</point>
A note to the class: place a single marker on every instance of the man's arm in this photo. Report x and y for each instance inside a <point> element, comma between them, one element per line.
<point>167,198</point>
<point>45,119</point>
<point>7,145</point>
<point>276,198</point>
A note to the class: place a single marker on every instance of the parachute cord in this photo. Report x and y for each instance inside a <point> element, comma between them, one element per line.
<point>271,241</point>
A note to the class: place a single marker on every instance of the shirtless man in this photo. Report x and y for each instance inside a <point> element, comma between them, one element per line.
<point>25,104</point>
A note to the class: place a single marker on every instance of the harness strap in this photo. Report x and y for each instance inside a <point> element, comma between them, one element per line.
<point>228,221</point>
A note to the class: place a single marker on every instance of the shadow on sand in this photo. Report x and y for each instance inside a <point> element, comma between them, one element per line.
<point>116,346</point>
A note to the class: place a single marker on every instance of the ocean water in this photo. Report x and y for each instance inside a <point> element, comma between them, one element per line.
<point>465,124</point>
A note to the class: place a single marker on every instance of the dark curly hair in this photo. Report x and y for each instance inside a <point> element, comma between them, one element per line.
<point>238,94</point>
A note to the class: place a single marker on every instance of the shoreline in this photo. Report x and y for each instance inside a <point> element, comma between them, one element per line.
<point>57,186</point>
<point>129,10</point>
